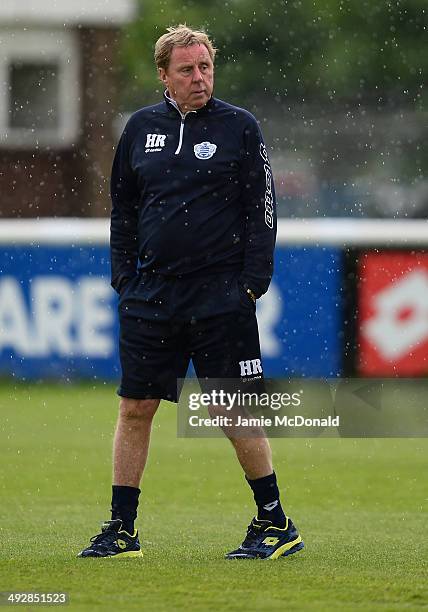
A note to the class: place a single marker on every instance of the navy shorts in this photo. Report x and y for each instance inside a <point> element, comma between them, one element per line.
<point>161,330</point>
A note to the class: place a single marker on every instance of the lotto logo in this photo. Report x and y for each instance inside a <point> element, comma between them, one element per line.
<point>393,305</point>
<point>269,201</point>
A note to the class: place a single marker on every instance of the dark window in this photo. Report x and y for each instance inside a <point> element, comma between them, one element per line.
<point>34,95</point>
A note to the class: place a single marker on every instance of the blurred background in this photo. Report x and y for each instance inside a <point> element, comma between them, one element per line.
<point>339,90</point>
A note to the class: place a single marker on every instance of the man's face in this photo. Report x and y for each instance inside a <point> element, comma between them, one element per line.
<point>189,77</point>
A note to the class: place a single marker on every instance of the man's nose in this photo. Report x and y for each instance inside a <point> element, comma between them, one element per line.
<point>197,75</point>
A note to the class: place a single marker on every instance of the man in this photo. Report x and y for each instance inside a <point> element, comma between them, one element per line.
<point>192,237</point>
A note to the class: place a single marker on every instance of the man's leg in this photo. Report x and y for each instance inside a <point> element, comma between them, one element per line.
<point>271,535</point>
<point>130,450</point>
<point>151,364</point>
<point>254,455</point>
<point>131,440</point>
<point>220,346</point>
<point>228,348</point>
<point>152,359</point>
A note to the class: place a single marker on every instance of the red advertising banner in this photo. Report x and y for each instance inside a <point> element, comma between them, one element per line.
<point>393,314</point>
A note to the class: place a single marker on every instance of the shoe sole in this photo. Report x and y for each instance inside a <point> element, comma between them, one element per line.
<point>131,554</point>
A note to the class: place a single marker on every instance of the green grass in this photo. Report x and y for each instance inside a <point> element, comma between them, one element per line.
<point>359,504</point>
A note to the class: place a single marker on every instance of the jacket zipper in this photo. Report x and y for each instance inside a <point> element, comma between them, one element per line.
<point>180,140</point>
<point>183,118</point>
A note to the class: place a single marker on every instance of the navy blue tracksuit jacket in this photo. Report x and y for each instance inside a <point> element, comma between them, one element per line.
<point>193,197</point>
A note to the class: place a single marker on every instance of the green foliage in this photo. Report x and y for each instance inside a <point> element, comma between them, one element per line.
<point>300,49</point>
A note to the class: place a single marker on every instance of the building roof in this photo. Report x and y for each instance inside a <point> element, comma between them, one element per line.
<point>66,12</point>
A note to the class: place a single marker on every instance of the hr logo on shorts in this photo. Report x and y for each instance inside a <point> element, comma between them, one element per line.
<point>155,142</point>
<point>251,366</point>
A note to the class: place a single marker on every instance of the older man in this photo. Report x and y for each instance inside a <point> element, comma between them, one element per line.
<point>192,237</point>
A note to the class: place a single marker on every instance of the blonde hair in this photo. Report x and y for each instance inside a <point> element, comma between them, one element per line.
<point>180,36</point>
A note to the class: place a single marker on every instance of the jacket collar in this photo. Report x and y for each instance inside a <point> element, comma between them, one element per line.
<point>172,104</point>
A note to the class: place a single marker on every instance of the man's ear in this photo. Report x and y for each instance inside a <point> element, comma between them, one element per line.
<point>162,76</point>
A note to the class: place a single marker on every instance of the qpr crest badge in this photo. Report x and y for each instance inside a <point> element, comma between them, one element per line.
<point>205,150</point>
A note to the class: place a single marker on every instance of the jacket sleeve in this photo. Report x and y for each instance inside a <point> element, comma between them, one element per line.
<point>258,194</point>
<point>124,217</point>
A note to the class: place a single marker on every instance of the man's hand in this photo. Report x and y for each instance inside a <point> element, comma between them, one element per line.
<point>251,295</point>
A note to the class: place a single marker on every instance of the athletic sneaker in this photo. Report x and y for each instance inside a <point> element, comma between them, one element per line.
<point>113,541</point>
<point>264,541</point>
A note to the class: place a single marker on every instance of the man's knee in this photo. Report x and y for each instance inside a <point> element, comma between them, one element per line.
<point>136,409</point>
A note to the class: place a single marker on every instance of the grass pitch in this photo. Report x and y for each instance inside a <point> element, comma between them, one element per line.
<point>360,506</point>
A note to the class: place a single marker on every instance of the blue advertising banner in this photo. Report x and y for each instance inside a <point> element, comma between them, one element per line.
<point>58,316</point>
<point>57,313</point>
<point>300,318</point>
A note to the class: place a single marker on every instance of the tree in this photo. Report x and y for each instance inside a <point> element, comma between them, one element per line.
<point>295,50</point>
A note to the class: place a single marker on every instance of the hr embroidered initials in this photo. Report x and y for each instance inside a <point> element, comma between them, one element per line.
<point>155,142</point>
